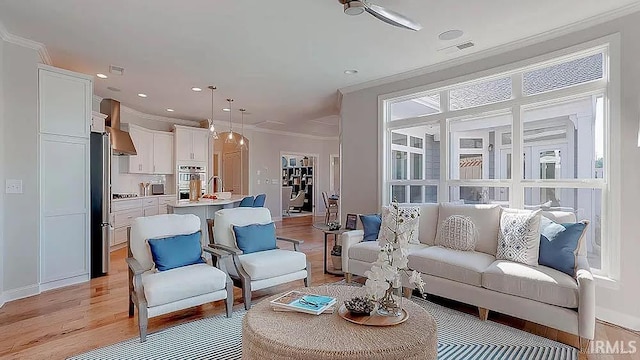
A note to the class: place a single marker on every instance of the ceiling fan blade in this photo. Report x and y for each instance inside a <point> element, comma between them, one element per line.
<point>391,17</point>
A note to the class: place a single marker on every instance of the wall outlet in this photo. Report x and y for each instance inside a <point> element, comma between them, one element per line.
<point>13,186</point>
<point>258,172</point>
<point>258,181</point>
<point>274,181</point>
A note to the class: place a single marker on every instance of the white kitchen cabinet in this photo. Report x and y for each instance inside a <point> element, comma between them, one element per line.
<point>97,122</point>
<point>142,163</point>
<point>64,121</point>
<point>154,151</point>
<point>126,210</point>
<point>162,153</point>
<point>192,145</point>
<point>200,145</point>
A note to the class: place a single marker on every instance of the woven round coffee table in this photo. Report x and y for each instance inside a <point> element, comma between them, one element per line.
<point>269,334</point>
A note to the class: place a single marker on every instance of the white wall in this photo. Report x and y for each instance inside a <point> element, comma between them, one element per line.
<point>265,156</point>
<point>617,302</point>
<point>20,144</point>
<point>2,179</point>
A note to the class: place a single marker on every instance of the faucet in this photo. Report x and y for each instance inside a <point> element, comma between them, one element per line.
<point>213,187</point>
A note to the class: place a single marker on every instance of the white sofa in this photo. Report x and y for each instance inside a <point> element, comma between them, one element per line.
<point>539,294</point>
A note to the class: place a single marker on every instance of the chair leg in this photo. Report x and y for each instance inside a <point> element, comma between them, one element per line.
<point>131,305</point>
<point>347,277</point>
<point>228,302</point>
<point>246,295</point>
<point>143,321</point>
<point>326,217</point>
<point>584,345</point>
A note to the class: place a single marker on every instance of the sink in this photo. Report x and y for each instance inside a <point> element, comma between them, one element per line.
<point>225,195</point>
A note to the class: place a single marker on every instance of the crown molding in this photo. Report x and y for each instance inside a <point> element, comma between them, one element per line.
<point>496,50</point>
<point>290,133</point>
<point>24,42</point>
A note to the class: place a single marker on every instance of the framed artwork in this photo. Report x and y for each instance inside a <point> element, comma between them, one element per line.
<point>352,222</point>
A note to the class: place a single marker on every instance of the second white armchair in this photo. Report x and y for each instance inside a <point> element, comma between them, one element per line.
<point>264,265</point>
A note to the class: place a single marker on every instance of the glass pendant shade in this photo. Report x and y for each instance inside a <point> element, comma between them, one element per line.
<point>230,138</point>
<point>212,129</point>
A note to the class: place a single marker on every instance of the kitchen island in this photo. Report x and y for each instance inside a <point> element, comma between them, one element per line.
<point>204,209</point>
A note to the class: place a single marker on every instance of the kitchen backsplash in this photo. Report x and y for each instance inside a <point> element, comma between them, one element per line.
<point>123,182</point>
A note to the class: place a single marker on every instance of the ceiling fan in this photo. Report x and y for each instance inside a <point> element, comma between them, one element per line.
<point>357,7</point>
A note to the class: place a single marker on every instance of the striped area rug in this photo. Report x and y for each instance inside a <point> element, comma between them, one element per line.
<point>460,336</point>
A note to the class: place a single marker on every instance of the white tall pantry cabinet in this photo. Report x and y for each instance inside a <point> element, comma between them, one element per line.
<point>64,112</point>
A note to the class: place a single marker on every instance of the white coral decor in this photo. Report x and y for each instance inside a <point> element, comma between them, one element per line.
<point>385,273</point>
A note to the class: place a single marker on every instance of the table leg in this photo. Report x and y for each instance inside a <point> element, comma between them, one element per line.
<point>324,263</point>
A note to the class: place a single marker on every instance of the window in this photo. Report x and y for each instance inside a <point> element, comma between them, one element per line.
<point>416,107</point>
<point>561,122</point>
<point>481,93</point>
<point>563,75</point>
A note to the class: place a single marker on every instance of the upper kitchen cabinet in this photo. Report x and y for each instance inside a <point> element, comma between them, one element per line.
<point>155,151</point>
<point>162,153</point>
<point>192,145</point>
<point>65,98</point>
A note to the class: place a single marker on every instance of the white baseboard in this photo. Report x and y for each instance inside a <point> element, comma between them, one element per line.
<point>64,282</point>
<point>19,293</point>
<point>618,318</point>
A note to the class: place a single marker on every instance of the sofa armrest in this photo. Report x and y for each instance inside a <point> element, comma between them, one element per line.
<point>229,249</point>
<point>134,266</point>
<point>348,239</point>
<point>587,299</point>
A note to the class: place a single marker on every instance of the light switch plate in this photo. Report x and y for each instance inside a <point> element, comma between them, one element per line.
<point>274,181</point>
<point>258,181</point>
<point>13,186</point>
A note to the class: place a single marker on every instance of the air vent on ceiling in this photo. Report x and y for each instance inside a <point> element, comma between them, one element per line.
<point>113,88</point>
<point>466,45</point>
<point>116,70</point>
<point>456,48</point>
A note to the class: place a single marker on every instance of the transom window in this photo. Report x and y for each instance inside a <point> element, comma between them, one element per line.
<point>533,138</point>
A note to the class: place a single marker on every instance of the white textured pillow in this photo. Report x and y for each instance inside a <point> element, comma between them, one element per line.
<point>458,232</point>
<point>519,236</point>
<point>408,228</point>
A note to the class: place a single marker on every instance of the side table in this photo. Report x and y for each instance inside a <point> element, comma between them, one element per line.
<point>325,229</point>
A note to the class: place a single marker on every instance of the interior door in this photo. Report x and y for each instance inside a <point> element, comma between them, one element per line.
<point>231,173</point>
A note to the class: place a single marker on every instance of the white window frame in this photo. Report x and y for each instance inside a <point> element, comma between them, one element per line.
<point>608,86</point>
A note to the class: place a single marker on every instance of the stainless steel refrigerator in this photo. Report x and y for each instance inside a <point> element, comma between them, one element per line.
<point>101,227</point>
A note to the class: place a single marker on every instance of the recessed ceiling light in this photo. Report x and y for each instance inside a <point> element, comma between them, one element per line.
<point>450,35</point>
<point>351,72</point>
<point>196,89</point>
<point>226,109</point>
<point>102,76</point>
<point>170,110</point>
<point>142,95</point>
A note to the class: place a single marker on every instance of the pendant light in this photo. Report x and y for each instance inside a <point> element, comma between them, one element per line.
<point>242,144</point>
<point>230,139</point>
<point>212,128</point>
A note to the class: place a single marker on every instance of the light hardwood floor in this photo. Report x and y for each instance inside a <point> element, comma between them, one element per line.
<point>68,321</point>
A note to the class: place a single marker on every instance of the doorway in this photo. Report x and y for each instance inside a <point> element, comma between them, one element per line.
<point>231,164</point>
<point>298,190</point>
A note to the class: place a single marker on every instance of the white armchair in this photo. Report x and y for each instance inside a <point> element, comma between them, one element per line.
<point>257,270</point>
<point>154,292</point>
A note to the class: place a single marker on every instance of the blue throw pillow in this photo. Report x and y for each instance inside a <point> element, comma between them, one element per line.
<point>559,244</point>
<point>255,237</point>
<point>176,251</point>
<point>371,226</point>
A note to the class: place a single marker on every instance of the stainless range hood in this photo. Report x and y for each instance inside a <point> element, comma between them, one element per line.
<point>121,142</point>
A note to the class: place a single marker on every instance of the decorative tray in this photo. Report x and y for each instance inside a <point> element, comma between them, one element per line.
<point>372,320</point>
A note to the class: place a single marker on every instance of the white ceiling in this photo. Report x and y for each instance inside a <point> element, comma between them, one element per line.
<point>282,60</point>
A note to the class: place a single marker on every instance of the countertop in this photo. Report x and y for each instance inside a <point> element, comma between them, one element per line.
<point>144,197</point>
<point>207,202</point>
